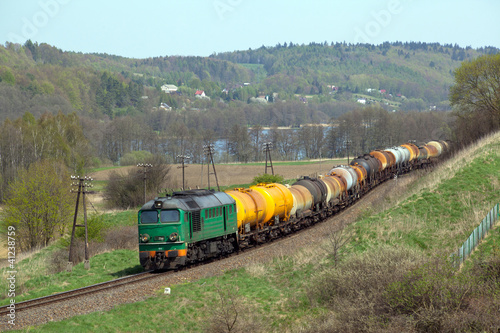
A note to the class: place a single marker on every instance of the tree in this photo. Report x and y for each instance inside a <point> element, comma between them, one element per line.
<point>125,191</point>
<point>476,94</point>
<point>38,204</point>
<point>239,143</point>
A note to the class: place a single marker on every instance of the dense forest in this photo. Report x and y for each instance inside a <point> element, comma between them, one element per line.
<point>308,100</point>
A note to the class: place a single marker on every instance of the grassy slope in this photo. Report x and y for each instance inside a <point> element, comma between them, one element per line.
<point>434,215</point>
<point>35,278</point>
<point>440,210</point>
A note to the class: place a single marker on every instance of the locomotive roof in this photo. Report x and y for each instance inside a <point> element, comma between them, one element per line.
<point>191,200</point>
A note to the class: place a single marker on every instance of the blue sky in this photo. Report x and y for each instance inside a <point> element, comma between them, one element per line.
<point>142,29</point>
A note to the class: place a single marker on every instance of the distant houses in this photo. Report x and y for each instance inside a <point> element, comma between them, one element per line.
<point>199,93</point>
<point>165,106</point>
<point>168,88</point>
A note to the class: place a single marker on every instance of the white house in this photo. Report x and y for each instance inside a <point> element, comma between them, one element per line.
<point>169,88</point>
<point>199,93</point>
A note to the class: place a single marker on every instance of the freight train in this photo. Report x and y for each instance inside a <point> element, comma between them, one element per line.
<point>191,226</point>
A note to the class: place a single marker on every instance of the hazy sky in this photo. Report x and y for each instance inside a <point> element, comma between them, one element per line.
<point>143,29</point>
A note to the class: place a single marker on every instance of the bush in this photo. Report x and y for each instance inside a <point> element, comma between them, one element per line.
<point>95,228</point>
<point>354,288</point>
<point>135,157</point>
<point>433,285</point>
<point>267,178</point>
<point>125,191</point>
<point>125,237</point>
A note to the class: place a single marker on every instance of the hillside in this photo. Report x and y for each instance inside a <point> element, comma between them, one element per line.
<point>414,70</point>
<point>412,76</point>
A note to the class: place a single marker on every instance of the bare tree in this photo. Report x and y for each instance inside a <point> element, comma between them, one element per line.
<point>337,238</point>
<point>230,315</point>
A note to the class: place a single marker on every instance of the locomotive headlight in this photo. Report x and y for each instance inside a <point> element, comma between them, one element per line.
<point>173,236</point>
<point>144,238</point>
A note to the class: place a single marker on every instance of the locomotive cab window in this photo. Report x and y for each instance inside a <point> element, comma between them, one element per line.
<point>149,216</point>
<point>167,216</point>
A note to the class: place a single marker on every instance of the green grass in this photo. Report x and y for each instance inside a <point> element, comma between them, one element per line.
<point>441,217</point>
<point>103,267</point>
<point>34,278</point>
<point>257,298</point>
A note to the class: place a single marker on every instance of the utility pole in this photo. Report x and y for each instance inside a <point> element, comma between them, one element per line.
<point>209,150</point>
<point>145,171</point>
<point>183,158</point>
<point>267,147</point>
<point>83,184</point>
<point>347,144</point>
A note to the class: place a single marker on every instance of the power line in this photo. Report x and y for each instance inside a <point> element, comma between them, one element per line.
<point>183,159</point>
<point>209,150</point>
<point>267,147</point>
<point>145,168</point>
<point>83,184</point>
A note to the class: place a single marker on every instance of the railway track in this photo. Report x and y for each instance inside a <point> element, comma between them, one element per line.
<point>96,297</point>
<point>84,291</point>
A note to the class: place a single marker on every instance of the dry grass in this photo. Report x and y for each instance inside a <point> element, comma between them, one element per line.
<point>257,270</point>
<point>30,267</point>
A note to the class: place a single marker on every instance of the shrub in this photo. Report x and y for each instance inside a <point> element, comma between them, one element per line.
<point>354,288</point>
<point>125,237</point>
<point>433,285</point>
<point>134,157</point>
<point>125,191</point>
<point>362,276</point>
<point>267,178</point>
<point>95,228</point>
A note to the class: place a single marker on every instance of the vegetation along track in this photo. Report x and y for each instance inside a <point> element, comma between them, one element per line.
<point>95,288</point>
<point>144,285</point>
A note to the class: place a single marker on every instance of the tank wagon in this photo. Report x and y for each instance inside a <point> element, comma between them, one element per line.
<point>195,225</point>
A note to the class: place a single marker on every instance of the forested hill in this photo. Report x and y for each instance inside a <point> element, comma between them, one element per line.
<point>415,70</point>
<point>40,78</point>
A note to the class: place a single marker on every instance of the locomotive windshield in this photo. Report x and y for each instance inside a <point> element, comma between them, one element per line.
<point>169,216</point>
<point>149,216</point>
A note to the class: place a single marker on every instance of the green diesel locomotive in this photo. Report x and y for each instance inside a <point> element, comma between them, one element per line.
<point>186,227</point>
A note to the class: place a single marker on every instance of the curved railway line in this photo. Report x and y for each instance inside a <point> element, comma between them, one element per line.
<point>104,296</point>
<point>95,288</point>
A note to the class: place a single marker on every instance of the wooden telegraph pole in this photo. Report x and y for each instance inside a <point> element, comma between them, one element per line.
<point>209,150</point>
<point>145,171</point>
<point>83,184</point>
<point>267,147</point>
<point>183,159</point>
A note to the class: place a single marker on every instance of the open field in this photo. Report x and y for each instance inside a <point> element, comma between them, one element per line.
<point>233,174</point>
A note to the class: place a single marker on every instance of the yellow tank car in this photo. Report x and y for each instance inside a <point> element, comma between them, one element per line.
<point>251,208</point>
<point>279,201</point>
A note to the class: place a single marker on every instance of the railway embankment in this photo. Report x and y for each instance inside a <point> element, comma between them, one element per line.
<point>380,265</point>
